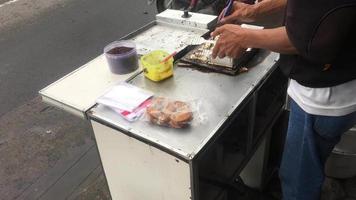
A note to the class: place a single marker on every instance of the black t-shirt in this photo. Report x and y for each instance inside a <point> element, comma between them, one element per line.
<point>324,33</point>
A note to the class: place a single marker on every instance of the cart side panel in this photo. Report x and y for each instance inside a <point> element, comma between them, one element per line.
<point>135,170</point>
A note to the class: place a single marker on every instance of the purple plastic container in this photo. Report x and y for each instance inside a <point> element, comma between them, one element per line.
<point>121,56</point>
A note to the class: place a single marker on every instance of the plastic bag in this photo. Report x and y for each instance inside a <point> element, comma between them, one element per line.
<point>173,113</point>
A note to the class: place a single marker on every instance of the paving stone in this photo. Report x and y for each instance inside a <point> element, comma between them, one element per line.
<point>333,189</point>
<point>350,187</point>
<point>36,138</point>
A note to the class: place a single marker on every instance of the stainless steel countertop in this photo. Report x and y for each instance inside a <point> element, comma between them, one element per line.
<point>219,94</point>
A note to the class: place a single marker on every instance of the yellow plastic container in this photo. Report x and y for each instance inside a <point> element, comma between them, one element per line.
<point>153,67</point>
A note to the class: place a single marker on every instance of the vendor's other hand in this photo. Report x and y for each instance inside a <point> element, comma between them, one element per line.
<point>241,12</point>
<point>231,42</point>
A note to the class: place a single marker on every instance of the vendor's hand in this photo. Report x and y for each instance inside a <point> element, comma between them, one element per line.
<point>241,12</point>
<point>232,41</point>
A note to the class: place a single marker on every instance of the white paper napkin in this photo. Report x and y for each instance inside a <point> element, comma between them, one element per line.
<point>124,96</point>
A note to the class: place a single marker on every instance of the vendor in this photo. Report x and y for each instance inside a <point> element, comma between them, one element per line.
<point>318,53</point>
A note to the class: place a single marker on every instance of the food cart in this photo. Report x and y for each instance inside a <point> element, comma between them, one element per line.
<point>144,161</point>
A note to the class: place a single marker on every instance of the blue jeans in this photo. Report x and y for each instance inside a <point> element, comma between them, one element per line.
<point>309,142</point>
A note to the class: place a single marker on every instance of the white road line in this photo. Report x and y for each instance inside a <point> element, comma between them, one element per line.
<point>7,3</point>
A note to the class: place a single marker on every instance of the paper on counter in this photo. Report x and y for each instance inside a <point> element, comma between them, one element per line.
<point>124,97</point>
<point>249,26</point>
<point>136,114</point>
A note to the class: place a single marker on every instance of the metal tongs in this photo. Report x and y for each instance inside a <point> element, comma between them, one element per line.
<point>206,37</point>
<point>226,11</point>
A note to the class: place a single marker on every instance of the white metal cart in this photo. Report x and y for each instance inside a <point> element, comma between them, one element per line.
<point>143,161</point>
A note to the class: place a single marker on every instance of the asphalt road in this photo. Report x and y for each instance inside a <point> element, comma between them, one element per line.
<point>42,40</point>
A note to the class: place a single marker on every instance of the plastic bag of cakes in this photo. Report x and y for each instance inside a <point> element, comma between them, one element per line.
<point>171,113</point>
